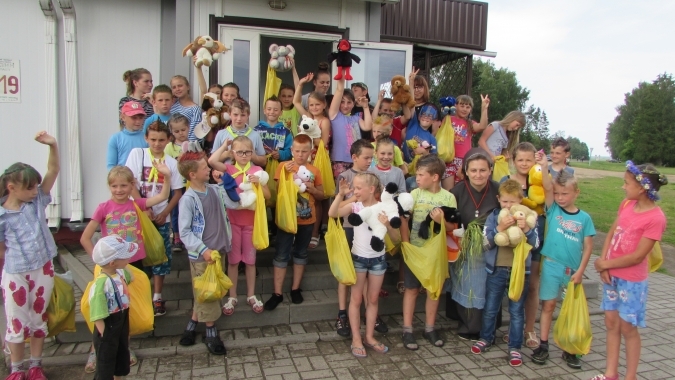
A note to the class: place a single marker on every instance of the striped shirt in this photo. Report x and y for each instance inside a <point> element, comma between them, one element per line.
<point>29,242</point>
<point>147,106</point>
<point>193,113</point>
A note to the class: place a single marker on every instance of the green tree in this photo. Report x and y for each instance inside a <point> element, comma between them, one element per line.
<point>578,149</point>
<point>536,128</point>
<point>506,93</point>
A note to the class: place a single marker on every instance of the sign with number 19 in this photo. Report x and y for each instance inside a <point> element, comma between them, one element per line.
<point>10,82</point>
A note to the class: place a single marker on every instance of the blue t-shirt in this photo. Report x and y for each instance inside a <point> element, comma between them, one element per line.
<point>153,118</point>
<point>276,137</point>
<point>121,144</point>
<point>564,241</point>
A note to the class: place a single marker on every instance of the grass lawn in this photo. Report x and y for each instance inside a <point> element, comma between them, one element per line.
<point>601,198</point>
<point>613,166</point>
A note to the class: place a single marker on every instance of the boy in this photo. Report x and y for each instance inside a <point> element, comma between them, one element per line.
<point>277,139</point>
<point>239,113</point>
<point>109,306</point>
<point>296,245</point>
<point>560,153</point>
<point>567,249</point>
<point>162,100</point>
<point>204,228</point>
<point>132,136</point>
<point>428,196</point>
<point>499,261</point>
<point>382,126</point>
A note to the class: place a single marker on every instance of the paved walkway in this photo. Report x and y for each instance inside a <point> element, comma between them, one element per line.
<point>313,351</point>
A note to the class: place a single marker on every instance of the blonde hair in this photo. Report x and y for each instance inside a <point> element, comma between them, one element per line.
<point>120,171</point>
<point>565,179</point>
<point>511,187</point>
<point>371,180</point>
<point>465,99</point>
<point>513,136</point>
<point>184,79</point>
<point>243,140</point>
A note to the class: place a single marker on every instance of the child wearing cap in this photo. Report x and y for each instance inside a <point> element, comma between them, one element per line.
<point>122,142</point>
<point>109,306</point>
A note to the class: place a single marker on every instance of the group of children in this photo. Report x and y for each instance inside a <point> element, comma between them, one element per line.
<point>157,166</point>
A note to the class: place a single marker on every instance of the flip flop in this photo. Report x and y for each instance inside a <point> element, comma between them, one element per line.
<point>355,352</point>
<point>379,347</point>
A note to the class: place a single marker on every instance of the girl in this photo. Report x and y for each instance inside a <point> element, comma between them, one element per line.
<point>500,137</point>
<point>179,126</point>
<point>148,183</point>
<point>180,87</point>
<point>118,216</point>
<point>229,93</point>
<point>139,87</point>
<point>242,222</point>
<point>624,266</point>
<point>382,127</point>
<point>316,109</point>
<point>321,82</point>
<point>289,114</point>
<point>131,136</point>
<point>28,248</point>
<point>369,265</point>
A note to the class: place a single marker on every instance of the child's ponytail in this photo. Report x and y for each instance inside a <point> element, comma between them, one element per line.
<point>21,174</point>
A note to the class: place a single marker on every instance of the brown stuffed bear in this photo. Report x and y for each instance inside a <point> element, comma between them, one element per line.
<point>400,91</point>
<point>513,235</point>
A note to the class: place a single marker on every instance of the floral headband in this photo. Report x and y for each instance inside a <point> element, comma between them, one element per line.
<point>644,181</point>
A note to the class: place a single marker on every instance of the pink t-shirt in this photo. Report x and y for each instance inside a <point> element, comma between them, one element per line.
<point>631,227</point>
<point>241,217</point>
<point>122,220</point>
<point>463,134</point>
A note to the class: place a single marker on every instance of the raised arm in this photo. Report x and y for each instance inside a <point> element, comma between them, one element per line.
<point>337,99</point>
<point>52,163</point>
<point>485,104</point>
<point>202,82</point>
<point>376,109</point>
<point>337,209</point>
<point>366,123</point>
<point>296,78</point>
<point>547,182</point>
<point>297,97</point>
<point>216,161</point>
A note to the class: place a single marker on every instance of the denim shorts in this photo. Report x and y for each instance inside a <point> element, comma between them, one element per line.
<point>628,298</point>
<point>375,266</point>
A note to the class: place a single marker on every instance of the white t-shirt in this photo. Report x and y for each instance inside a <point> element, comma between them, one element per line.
<point>362,235</point>
<point>140,164</point>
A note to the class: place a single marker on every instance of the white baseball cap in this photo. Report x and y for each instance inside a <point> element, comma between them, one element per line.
<point>201,130</point>
<point>113,247</point>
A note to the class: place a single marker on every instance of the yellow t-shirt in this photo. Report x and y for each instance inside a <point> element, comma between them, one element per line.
<point>291,119</point>
<point>398,156</point>
<point>173,150</point>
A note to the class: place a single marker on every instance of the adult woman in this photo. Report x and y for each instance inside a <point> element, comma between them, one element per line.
<point>476,196</point>
<point>321,82</point>
<point>139,89</point>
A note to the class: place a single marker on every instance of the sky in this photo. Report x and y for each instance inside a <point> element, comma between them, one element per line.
<point>579,58</point>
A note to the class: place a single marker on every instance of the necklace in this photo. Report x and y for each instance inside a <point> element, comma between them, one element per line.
<point>487,187</point>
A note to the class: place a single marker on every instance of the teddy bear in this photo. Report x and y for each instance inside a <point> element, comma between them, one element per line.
<point>391,206</point>
<point>309,127</point>
<point>400,92</point>
<point>344,59</point>
<point>281,57</point>
<point>514,235</point>
<point>535,192</point>
<point>205,50</point>
<point>301,176</point>
<point>247,197</point>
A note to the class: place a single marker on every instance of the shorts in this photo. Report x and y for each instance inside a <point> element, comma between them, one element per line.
<point>164,268</point>
<point>112,349</point>
<point>628,298</point>
<point>208,311</point>
<point>293,246</point>
<point>554,279</point>
<point>454,169</point>
<point>410,281</point>
<point>242,246</point>
<point>374,265</point>
<point>340,167</point>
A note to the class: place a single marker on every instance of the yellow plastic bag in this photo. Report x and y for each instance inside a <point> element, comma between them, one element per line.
<point>213,284</point>
<point>429,263</point>
<point>271,169</point>
<point>141,313</point>
<point>390,247</point>
<point>61,308</point>
<point>501,168</point>
<point>155,252</point>
<point>261,239</point>
<point>572,331</point>
<point>287,199</point>
<point>339,256</point>
<point>656,255</point>
<point>517,280</point>
<point>322,162</point>
<point>272,85</point>
<point>445,139</point>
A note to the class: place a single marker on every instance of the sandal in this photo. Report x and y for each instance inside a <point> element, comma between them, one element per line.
<point>379,347</point>
<point>313,243</point>
<point>90,367</point>
<point>133,360</point>
<point>603,377</point>
<point>359,352</point>
<point>531,340</point>
<point>188,338</point>
<point>228,308</point>
<point>384,293</point>
<point>409,342</point>
<point>255,304</point>
<point>215,345</point>
<point>400,287</point>
<point>434,338</point>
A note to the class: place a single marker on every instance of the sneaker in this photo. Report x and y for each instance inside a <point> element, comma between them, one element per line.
<point>159,307</point>
<point>178,246</point>
<point>539,355</point>
<point>296,296</point>
<point>20,375</point>
<point>571,360</point>
<point>515,358</point>
<point>342,326</point>
<point>380,326</point>
<point>36,373</point>
<point>274,301</point>
<point>480,347</point>
<point>90,367</point>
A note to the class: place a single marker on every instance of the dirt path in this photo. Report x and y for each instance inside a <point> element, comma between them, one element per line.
<point>595,173</point>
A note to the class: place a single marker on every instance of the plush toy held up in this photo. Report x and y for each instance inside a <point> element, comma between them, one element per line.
<point>447,105</point>
<point>214,116</point>
<point>390,207</point>
<point>205,49</point>
<point>535,193</point>
<point>281,57</point>
<point>301,176</point>
<point>400,92</point>
<point>344,58</point>
<point>309,127</point>
<point>514,235</point>
<point>247,196</point>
